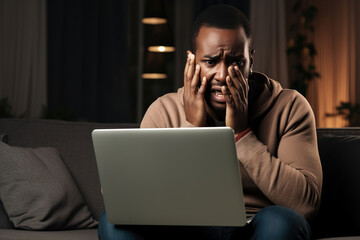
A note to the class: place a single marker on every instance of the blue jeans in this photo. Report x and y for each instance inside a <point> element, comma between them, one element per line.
<point>273,222</point>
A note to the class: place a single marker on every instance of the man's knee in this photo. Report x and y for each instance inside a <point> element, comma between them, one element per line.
<point>109,231</point>
<point>276,222</point>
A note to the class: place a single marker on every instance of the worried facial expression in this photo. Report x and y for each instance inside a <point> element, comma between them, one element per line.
<point>216,50</point>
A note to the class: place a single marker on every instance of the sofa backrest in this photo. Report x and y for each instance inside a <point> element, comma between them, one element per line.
<point>74,143</point>
<point>339,150</point>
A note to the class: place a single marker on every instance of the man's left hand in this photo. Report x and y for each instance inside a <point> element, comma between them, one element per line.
<point>236,95</point>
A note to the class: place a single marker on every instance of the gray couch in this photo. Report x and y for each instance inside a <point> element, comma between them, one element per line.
<point>73,142</point>
<point>339,151</point>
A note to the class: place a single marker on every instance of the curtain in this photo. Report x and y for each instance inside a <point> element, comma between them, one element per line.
<point>267,19</point>
<point>336,38</point>
<point>23,55</point>
<point>184,17</point>
<point>88,68</point>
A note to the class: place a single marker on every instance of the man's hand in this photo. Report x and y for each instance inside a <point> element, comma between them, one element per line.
<point>236,95</point>
<point>194,101</point>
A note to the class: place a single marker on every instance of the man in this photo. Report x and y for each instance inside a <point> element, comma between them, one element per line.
<point>274,129</point>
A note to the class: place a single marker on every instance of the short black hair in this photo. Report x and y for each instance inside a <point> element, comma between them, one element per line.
<point>220,16</point>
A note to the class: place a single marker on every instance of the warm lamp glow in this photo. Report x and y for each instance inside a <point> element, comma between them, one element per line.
<point>161,49</point>
<point>154,20</point>
<point>154,76</point>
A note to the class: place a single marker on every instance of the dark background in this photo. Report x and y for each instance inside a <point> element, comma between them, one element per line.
<point>93,58</point>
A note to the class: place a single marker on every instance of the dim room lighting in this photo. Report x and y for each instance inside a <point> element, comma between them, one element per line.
<point>154,76</point>
<point>154,20</point>
<point>161,49</point>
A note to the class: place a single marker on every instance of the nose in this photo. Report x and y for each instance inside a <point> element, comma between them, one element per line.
<point>221,72</point>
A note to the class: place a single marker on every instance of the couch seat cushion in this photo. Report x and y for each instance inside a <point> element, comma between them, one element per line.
<point>86,234</point>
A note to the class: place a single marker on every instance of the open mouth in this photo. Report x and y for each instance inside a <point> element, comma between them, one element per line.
<point>216,95</point>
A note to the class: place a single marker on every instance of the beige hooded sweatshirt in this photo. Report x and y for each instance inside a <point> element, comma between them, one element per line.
<point>278,159</point>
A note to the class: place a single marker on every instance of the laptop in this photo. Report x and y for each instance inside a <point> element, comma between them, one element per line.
<point>170,176</point>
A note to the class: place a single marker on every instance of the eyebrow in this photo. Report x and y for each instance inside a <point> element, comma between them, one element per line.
<point>212,57</point>
<point>228,56</point>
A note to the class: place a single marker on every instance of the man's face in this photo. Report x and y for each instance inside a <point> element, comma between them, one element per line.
<point>216,50</point>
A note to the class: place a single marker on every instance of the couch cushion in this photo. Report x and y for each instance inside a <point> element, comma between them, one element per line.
<point>86,234</point>
<point>339,211</point>
<point>37,191</point>
<point>4,219</point>
<point>74,143</point>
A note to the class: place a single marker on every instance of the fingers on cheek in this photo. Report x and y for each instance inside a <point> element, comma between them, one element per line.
<point>189,74</point>
<point>195,79</point>
<point>229,81</point>
<point>197,69</point>
<point>204,82</point>
<point>238,72</point>
<point>235,76</point>
<point>191,67</point>
<point>187,63</point>
<point>231,87</point>
<point>188,66</point>
<point>225,91</point>
<point>202,88</point>
<point>231,71</point>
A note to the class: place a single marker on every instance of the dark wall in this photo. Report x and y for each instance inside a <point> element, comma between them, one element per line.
<point>243,5</point>
<point>92,58</point>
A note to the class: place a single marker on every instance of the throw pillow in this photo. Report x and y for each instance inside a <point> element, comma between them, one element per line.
<point>38,192</point>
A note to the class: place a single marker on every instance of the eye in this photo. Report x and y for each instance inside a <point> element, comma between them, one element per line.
<point>210,61</point>
<point>240,62</point>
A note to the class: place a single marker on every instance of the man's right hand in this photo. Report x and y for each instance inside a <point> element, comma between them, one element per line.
<point>194,100</point>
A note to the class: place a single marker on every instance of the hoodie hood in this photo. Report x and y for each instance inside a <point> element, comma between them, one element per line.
<point>263,93</point>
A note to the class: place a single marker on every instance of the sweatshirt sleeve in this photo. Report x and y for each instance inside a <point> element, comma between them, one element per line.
<point>153,116</point>
<point>165,112</point>
<point>294,177</point>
